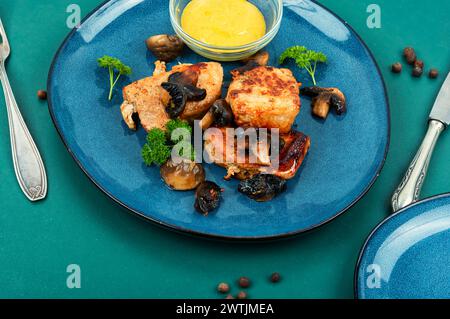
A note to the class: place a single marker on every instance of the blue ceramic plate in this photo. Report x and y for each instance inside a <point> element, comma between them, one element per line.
<point>408,255</point>
<point>346,155</point>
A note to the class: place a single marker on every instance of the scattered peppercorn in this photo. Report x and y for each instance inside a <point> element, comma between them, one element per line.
<point>397,67</point>
<point>230,296</point>
<point>275,277</point>
<point>419,63</point>
<point>417,72</point>
<point>433,73</point>
<point>244,282</point>
<point>42,94</point>
<point>410,55</point>
<point>223,288</point>
<point>242,295</point>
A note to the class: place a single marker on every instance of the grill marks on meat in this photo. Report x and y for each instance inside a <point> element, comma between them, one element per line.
<point>148,99</point>
<point>264,97</point>
<point>291,155</point>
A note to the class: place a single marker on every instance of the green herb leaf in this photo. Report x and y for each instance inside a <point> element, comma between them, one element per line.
<point>174,124</point>
<point>116,68</point>
<point>156,151</point>
<point>304,58</point>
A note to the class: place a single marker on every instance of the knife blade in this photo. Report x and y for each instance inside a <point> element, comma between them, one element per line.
<point>441,107</point>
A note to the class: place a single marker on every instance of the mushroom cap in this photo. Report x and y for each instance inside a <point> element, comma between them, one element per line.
<point>182,176</point>
<point>324,98</point>
<point>165,47</point>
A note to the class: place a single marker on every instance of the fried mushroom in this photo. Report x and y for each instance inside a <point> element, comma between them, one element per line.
<point>207,197</point>
<point>262,187</point>
<point>177,101</point>
<point>324,98</point>
<point>182,176</point>
<point>260,58</point>
<point>219,113</point>
<point>165,47</point>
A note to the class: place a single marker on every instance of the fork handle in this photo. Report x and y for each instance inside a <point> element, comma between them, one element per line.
<point>409,189</point>
<point>28,165</point>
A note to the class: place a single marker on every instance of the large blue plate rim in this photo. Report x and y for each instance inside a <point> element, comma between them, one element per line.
<point>372,233</point>
<point>187,231</point>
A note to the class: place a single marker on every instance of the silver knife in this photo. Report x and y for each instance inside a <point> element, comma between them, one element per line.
<point>409,189</point>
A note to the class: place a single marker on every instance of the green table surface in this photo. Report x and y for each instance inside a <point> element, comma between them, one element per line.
<point>122,256</point>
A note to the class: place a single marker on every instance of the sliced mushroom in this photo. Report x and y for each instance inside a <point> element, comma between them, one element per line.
<point>165,47</point>
<point>259,59</point>
<point>194,93</point>
<point>188,77</point>
<point>182,176</point>
<point>207,197</point>
<point>177,101</point>
<point>182,88</point>
<point>262,187</point>
<point>324,98</point>
<point>219,113</point>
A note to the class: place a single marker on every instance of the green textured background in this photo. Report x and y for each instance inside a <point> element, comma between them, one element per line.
<point>123,256</point>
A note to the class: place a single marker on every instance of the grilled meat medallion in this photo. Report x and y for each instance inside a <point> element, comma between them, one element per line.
<point>293,148</point>
<point>264,97</point>
<point>148,99</point>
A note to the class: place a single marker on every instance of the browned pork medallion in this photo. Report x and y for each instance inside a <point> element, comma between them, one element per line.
<point>150,100</point>
<point>264,97</point>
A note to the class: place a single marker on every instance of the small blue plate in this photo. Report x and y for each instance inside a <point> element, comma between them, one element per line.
<point>346,155</point>
<point>407,256</point>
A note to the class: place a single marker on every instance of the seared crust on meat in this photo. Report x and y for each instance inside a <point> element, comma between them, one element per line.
<point>264,97</point>
<point>148,98</point>
<point>210,78</point>
<point>291,155</point>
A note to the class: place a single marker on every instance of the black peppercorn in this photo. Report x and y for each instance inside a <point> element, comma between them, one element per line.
<point>396,67</point>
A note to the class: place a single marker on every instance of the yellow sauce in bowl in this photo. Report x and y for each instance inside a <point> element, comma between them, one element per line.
<point>224,23</point>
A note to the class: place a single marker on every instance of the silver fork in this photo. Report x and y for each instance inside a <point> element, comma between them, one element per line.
<point>28,165</point>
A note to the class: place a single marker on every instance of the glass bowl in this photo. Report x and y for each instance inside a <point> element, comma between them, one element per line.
<point>272,11</point>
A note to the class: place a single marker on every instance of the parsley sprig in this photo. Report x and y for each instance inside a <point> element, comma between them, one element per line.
<point>304,58</point>
<point>116,68</point>
<point>159,143</point>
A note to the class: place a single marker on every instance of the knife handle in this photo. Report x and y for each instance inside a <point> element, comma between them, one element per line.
<point>28,165</point>
<point>409,189</point>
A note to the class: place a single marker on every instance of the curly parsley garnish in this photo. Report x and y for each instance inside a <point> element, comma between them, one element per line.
<point>116,68</point>
<point>156,151</point>
<point>304,58</point>
<point>159,144</point>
